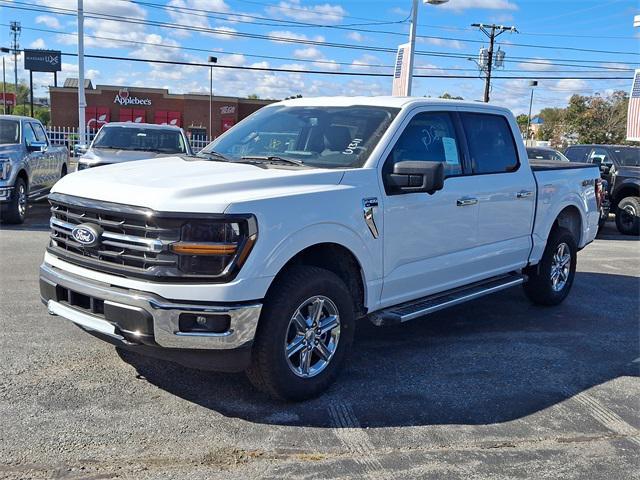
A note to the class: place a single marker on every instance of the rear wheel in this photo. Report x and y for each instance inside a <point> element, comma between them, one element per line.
<point>550,281</point>
<point>15,211</point>
<point>628,216</point>
<point>305,331</point>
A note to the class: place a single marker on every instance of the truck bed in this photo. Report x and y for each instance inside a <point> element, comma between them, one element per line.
<point>542,165</point>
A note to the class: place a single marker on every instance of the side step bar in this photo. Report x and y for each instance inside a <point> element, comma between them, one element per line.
<point>423,306</point>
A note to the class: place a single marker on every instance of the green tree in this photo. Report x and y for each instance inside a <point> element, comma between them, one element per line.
<point>448,96</point>
<point>553,124</point>
<point>522,120</point>
<point>598,119</point>
<point>253,96</point>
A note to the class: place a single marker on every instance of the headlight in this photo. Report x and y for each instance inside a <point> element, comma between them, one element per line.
<point>82,166</point>
<point>5,168</point>
<point>215,247</point>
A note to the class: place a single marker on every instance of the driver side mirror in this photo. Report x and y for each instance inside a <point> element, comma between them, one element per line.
<point>37,146</point>
<point>80,149</point>
<point>604,167</point>
<point>412,176</point>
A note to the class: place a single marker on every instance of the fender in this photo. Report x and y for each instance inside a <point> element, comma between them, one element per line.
<point>327,232</point>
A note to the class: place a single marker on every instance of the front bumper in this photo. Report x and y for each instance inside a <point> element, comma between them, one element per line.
<point>141,318</point>
<point>6,194</point>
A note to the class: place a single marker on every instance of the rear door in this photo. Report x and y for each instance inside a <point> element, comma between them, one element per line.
<point>505,189</point>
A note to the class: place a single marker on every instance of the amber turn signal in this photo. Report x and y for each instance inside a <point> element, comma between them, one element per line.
<point>185,248</point>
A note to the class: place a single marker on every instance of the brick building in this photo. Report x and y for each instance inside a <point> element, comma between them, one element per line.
<point>106,103</point>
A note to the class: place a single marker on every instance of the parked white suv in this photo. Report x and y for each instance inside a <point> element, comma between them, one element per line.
<point>261,253</point>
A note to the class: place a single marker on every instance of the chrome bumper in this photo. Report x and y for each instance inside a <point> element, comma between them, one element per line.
<point>164,314</point>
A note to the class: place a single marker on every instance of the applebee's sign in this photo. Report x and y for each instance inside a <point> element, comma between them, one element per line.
<point>123,98</point>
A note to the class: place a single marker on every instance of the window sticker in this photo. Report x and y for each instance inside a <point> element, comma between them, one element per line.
<point>450,151</point>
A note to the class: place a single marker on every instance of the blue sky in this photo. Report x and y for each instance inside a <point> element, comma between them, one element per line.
<point>218,27</point>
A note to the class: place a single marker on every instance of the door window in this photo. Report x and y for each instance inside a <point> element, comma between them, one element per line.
<point>29,135</point>
<point>577,154</point>
<point>491,145</point>
<point>40,135</point>
<point>600,156</point>
<point>429,137</point>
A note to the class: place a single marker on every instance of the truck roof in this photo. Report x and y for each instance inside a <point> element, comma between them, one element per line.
<point>154,126</point>
<point>388,101</point>
<point>17,117</point>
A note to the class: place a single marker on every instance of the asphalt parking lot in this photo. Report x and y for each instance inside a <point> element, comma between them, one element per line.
<point>497,388</point>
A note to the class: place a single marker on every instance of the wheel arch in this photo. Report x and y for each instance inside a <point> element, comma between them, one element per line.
<point>336,258</point>
<point>627,189</point>
<point>570,218</point>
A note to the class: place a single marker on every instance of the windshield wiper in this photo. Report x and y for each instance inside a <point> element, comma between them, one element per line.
<point>273,159</point>
<point>211,155</point>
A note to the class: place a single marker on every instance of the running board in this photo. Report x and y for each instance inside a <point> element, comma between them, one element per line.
<point>423,306</point>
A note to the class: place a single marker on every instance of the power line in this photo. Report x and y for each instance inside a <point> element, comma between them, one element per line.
<point>530,60</point>
<point>289,59</point>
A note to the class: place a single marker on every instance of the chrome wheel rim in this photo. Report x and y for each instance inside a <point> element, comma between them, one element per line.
<point>22,200</point>
<point>312,336</point>
<point>627,214</point>
<point>560,266</point>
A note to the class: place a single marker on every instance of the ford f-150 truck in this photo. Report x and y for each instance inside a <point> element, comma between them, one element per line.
<point>29,165</point>
<point>260,253</point>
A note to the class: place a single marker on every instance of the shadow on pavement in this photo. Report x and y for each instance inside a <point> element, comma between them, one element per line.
<point>497,359</point>
<point>37,218</point>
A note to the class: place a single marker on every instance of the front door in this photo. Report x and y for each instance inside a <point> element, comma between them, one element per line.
<point>429,239</point>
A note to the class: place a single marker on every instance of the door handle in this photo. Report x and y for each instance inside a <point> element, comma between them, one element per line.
<point>524,194</point>
<point>464,202</point>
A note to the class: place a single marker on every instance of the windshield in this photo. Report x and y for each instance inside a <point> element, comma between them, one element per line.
<point>140,138</point>
<point>9,131</point>
<point>546,154</point>
<point>328,137</point>
<point>628,156</point>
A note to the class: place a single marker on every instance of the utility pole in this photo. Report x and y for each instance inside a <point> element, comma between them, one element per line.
<point>492,31</point>
<point>82,102</point>
<point>15,46</point>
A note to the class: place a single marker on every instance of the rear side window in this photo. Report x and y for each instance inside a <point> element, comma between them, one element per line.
<point>577,154</point>
<point>29,136</point>
<point>40,135</point>
<point>491,145</point>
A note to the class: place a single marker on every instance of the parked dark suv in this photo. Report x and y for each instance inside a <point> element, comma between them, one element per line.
<point>620,166</point>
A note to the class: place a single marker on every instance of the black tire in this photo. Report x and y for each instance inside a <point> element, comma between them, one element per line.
<point>540,285</point>
<point>15,211</point>
<point>270,369</point>
<point>628,216</point>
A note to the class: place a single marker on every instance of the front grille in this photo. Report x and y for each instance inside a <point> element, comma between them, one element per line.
<point>133,241</point>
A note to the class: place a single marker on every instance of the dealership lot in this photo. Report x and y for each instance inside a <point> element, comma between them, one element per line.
<point>497,388</point>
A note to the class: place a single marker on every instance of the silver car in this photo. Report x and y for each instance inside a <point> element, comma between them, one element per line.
<point>118,142</point>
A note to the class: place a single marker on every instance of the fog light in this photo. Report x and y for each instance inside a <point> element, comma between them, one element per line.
<point>204,323</point>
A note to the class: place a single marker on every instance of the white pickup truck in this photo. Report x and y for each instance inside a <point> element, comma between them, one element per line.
<point>260,253</point>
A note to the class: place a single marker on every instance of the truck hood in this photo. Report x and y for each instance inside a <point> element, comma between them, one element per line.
<point>9,149</point>
<point>630,172</point>
<point>177,184</point>
<point>108,155</point>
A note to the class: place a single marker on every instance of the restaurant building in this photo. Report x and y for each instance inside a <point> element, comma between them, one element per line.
<point>107,103</point>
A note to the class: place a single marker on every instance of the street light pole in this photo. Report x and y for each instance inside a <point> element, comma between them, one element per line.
<point>4,83</point>
<point>412,36</point>
<point>211,60</point>
<point>82,102</point>
<point>532,84</point>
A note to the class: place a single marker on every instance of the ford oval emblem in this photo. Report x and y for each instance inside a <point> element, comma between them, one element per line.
<point>86,234</point>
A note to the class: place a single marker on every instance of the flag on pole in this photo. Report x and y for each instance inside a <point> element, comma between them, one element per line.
<point>633,114</point>
<point>401,72</point>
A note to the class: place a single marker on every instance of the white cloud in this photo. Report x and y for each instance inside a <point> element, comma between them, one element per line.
<point>461,5</point>
<point>325,13</point>
<point>356,36</point>
<point>48,20</point>
<point>573,85</point>
<point>400,11</point>
<point>38,43</point>
<point>537,65</point>
<point>292,36</point>
<point>364,63</point>
<point>311,53</point>
<point>440,42</point>
<point>220,33</point>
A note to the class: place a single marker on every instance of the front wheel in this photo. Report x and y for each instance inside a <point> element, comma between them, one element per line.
<point>550,281</point>
<point>15,211</point>
<point>306,329</point>
<point>628,216</point>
